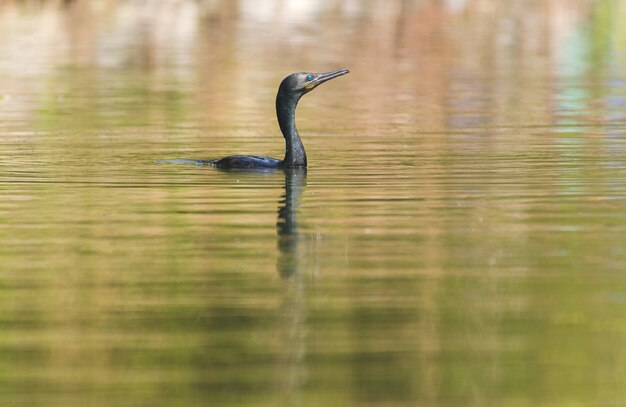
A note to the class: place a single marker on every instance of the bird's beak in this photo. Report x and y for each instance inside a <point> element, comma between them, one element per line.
<point>326,76</point>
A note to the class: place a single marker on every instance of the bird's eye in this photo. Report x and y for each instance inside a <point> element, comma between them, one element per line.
<point>309,78</point>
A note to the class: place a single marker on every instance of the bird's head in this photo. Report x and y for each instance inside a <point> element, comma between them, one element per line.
<point>302,82</point>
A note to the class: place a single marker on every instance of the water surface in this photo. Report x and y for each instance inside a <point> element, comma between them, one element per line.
<point>458,238</point>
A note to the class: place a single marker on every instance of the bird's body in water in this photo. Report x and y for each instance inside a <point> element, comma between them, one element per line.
<point>247,161</point>
<point>291,89</point>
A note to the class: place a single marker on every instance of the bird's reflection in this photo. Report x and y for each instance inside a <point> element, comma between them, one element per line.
<point>292,366</point>
<point>286,225</point>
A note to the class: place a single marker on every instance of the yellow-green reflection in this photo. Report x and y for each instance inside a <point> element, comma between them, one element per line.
<point>460,240</point>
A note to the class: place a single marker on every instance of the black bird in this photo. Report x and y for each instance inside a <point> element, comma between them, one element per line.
<point>291,89</point>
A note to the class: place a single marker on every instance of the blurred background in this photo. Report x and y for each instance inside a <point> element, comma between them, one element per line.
<point>232,53</point>
<point>458,238</point>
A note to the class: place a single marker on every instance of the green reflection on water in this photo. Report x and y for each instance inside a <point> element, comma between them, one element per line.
<point>457,239</point>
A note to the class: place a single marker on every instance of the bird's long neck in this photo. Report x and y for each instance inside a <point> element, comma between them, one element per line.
<point>295,157</point>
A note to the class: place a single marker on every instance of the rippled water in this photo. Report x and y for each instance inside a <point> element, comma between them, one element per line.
<point>458,239</point>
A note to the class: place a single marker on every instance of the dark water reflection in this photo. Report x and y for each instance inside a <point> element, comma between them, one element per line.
<point>292,370</point>
<point>287,225</point>
<point>458,238</point>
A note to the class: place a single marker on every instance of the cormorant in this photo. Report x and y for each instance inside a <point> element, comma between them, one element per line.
<point>291,89</point>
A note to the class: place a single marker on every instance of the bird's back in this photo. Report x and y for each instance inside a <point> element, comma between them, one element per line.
<point>246,162</point>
